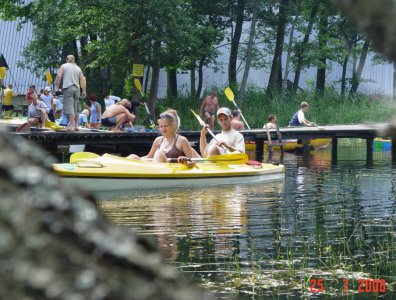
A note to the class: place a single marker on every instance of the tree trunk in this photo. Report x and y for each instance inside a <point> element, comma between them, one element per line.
<point>154,86</point>
<point>356,76</point>
<point>343,77</point>
<point>146,79</point>
<point>171,90</point>
<point>300,47</point>
<point>248,54</point>
<point>276,71</point>
<point>321,69</point>
<point>232,65</point>
<point>200,78</point>
<point>394,81</point>
<point>192,82</point>
<point>289,52</point>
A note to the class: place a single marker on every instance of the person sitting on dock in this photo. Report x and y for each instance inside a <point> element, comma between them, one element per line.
<point>271,122</point>
<point>208,108</point>
<point>228,140</point>
<point>236,122</point>
<point>169,144</point>
<point>83,118</point>
<point>37,115</point>
<point>117,115</point>
<point>299,119</point>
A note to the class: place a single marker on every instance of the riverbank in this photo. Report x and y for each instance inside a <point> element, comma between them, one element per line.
<point>324,110</point>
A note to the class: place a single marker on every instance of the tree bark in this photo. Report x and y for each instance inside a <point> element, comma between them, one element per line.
<point>300,47</point>
<point>248,53</point>
<point>200,78</point>
<point>274,84</point>
<point>232,65</point>
<point>56,243</point>
<point>321,68</point>
<point>172,83</point>
<point>356,76</point>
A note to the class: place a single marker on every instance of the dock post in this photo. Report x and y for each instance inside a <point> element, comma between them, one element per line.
<point>259,148</point>
<point>393,148</point>
<point>369,150</point>
<point>334,146</point>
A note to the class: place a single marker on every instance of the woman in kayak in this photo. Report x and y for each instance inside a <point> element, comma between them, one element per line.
<point>169,144</point>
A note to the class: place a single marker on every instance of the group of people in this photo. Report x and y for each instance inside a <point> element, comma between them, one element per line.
<point>64,104</point>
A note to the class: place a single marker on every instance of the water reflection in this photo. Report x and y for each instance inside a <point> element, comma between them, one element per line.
<point>326,221</point>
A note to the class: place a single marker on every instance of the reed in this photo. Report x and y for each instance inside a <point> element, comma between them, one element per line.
<point>324,110</point>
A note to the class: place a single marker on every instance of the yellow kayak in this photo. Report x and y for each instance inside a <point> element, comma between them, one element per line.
<point>112,173</point>
<point>291,145</point>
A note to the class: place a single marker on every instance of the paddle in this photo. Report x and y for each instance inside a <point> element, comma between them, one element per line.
<point>138,86</point>
<point>230,96</point>
<point>82,156</point>
<point>228,158</point>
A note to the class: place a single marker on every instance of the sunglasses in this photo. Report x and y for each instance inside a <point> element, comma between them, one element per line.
<point>166,116</point>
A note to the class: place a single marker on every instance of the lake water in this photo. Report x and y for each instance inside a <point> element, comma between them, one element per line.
<point>324,229</point>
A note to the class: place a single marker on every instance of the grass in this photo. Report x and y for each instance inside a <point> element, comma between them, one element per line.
<point>324,110</point>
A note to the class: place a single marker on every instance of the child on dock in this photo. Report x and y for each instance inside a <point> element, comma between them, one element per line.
<point>299,119</point>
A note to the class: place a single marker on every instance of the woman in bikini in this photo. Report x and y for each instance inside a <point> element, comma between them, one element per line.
<point>169,144</point>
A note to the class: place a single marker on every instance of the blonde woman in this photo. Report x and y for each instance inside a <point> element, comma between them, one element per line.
<point>170,144</point>
<point>117,115</point>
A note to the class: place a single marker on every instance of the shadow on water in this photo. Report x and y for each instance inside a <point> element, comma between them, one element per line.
<point>275,241</point>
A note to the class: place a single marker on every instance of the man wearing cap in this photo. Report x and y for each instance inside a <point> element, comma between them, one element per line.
<point>47,98</point>
<point>229,140</point>
<point>73,80</point>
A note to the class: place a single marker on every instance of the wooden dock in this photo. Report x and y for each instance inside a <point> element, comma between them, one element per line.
<point>125,143</point>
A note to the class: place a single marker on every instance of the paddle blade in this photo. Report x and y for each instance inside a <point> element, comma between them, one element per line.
<point>52,125</point>
<point>229,94</point>
<point>229,158</point>
<point>138,85</point>
<point>82,156</point>
<point>201,122</point>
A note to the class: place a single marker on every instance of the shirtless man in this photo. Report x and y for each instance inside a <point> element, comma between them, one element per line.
<point>236,122</point>
<point>208,109</point>
<point>117,115</point>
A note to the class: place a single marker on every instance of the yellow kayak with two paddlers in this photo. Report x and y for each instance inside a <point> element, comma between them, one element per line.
<point>112,173</point>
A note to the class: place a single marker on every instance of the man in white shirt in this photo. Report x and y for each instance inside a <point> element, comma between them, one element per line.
<point>110,99</point>
<point>228,140</point>
<point>299,119</point>
<point>47,98</point>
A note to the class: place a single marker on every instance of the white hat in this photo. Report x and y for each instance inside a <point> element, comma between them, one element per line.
<point>48,89</point>
<point>224,110</point>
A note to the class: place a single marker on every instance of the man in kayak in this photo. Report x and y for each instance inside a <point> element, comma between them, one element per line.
<point>229,140</point>
<point>208,108</point>
<point>236,122</point>
<point>299,119</point>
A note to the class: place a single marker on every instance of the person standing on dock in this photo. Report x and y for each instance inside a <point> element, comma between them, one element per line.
<point>236,122</point>
<point>208,109</point>
<point>228,140</point>
<point>73,81</point>
<point>299,119</point>
<point>8,107</point>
